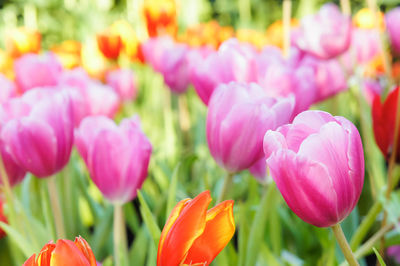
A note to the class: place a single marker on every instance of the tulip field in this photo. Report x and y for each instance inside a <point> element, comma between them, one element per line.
<point>171,132</point>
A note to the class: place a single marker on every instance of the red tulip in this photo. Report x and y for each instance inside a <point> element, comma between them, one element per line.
<point>192,235</point>
<point>384,119</point>
<point>2,217</point>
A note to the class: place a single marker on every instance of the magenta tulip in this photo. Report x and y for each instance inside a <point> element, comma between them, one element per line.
<point>175,68</point>
<point>325,34</point>
<point>123,82</point>
<point>234,61</point>
<point>7,90</point>
<point>238,117</point>
<point>153,50</point>
<point>40,138</point>
<point>317,163</point>
<point>117,156</point>
<point>392,19</point>
<point>32,70</point>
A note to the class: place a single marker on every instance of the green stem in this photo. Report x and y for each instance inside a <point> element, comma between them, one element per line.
<point>344,245</point>
<point>56,207</point>
<point>287,10</point>
<point>366,224</point>
<point>120,242</point>
<point>225,187</point>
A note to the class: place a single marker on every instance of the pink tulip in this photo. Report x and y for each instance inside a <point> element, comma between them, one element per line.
<point>32,70</point>
<point>117,156</point>
<point>123,82</point>
<point>39,139</point>
<point>175,68</point>
<point>259,170</point>
<point>392,19</point>
<point>317,163</point>
<point>329,77</point>
<point>89,97</point>
<point>15,174</point>
<point>371,88</point>
<point>7,90</point>
<point>238,117</point>
<point>234,61</point>
<point>153,50</point>
<point>325,34</point>
<point>280,77</point>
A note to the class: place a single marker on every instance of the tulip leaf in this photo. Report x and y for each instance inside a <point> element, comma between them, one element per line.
<point>18,239</point>
<point>378,256</point>
<point>258,226</point>
<point>137,253</point>
<point>171,201</point>
<point>149,219</point>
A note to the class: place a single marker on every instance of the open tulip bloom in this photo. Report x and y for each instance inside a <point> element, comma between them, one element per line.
<point>194,236</point>
<point>64,252</point>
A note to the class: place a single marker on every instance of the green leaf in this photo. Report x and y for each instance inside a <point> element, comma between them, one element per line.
<point>378,256</point>
<point>171,201</point>
<point>18,239</point>
<point>149,219</point>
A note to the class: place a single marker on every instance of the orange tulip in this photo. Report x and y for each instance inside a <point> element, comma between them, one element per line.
<point>130,42</point>
<point>160,17</point>
<point>69,53</point>
<point>194,236</point>
<point>110,44</point>
<point>21,41</point>
<point>256,38</point>
<point>63,253</point>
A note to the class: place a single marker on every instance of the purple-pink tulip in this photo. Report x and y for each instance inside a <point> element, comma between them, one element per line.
<point>153,50</point>
<point>175,68</point>
<point>39,137</point>
<point>32,70</point>
<point>237,119</point>
<point>117,156</point>
<point>7,89</point>
<point>123,82</point>
<point>234,61</point>
<point>317,163</point>
<point>392,19</point>
<point>325,34</point>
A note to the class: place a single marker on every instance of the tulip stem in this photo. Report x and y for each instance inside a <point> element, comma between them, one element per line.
<point>120,242</point>
<point>184,117</point>
<point>344,245</point>
<point>225,187</point>
<point>56,207</point>
<point>346,7</point>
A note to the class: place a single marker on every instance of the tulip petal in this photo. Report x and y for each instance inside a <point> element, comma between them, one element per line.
<point>219,230</point>
<point>187,228</point>
<point>66,253</point>
<point>306,187</point>
<point>84,247</point>
<point>31,261</point>
<point>44,256</point>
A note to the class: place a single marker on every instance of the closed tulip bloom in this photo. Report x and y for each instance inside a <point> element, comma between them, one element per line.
<point>64,252</point>
<point>194,236</point>
<point>153,50</point>
<point>117,156</point>
<point>325,34</point>
<point>175,68</point>
<point>234,61</point>
<point>384,120</point>
<point>40,139</point>
<point>392,19</point>
<point>109,43</point>
<point>317,163</point>
<point>32,70</point>
<point>123,82</point>
<point>237,119</point>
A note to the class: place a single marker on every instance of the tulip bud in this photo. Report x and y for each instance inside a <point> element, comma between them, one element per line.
<point>117,156</point>
<point>39,138</point>
<point>325,34</point>
<point>384,121</point>
<point>392,19</point>
<point>317,163</point>
<point>64,252</point>
<point>194,236</point>
<point>32,70</point>
<point>123,82</point>
<point>109,43</point>
<point>238,117</point>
